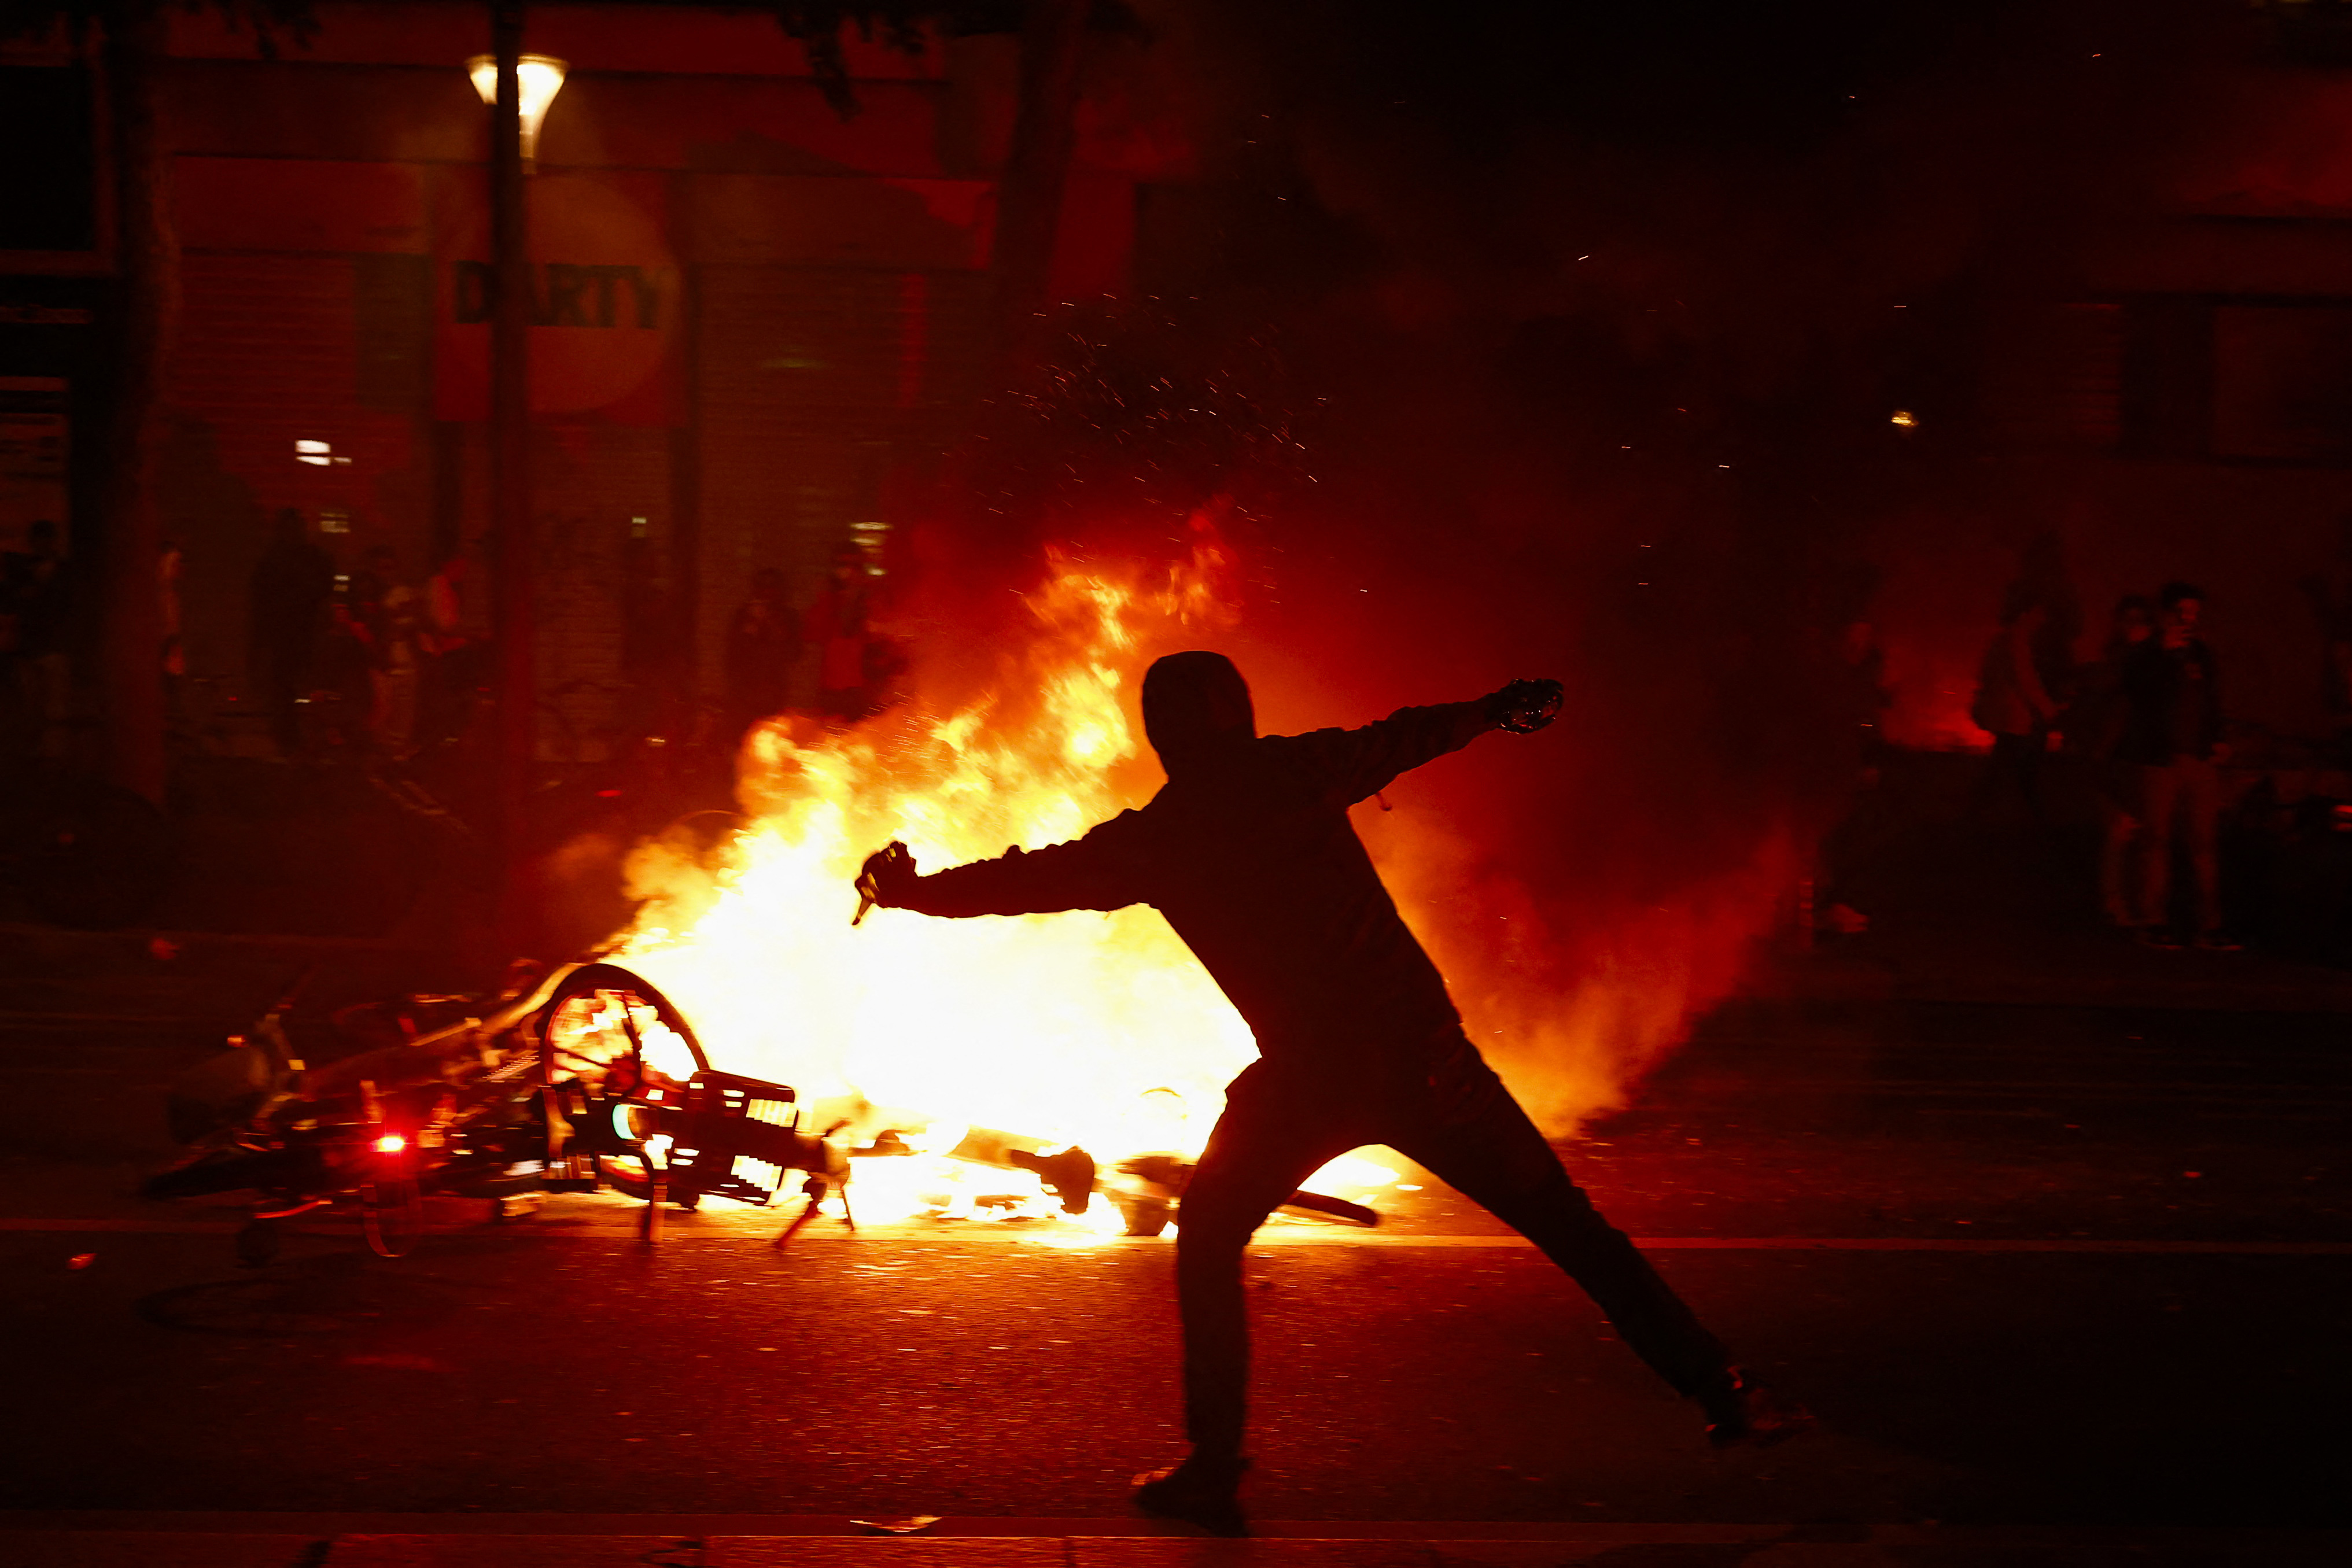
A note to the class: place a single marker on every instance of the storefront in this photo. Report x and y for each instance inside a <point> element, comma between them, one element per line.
<point>753,318</point>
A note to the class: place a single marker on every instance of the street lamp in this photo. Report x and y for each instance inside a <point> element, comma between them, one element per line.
<point>539,78</point>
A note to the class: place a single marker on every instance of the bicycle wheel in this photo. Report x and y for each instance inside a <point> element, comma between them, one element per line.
<point>609,1028</point>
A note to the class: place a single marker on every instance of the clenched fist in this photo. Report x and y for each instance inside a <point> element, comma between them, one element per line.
<point>1525,706</point>
<point>884,878</point>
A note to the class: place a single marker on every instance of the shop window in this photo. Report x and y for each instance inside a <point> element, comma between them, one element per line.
<point>47,160</point>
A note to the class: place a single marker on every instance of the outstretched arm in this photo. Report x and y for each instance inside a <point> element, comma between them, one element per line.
<point>1357,763</point>
<point>1092,873</point>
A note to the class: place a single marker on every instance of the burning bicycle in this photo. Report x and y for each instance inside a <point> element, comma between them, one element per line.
<point>589,1078</point>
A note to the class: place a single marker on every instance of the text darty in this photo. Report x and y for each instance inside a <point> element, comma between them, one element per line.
<point>564,293</point>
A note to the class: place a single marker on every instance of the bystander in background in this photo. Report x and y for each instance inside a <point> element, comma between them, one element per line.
<point>387,610</point>
<point>764,642</point>
<point>2016,708</point>
<point>348,656</point>
<point>837,625</point>
<point>2172,735</point>
<point>456,639</point>
<point>2094,724</point>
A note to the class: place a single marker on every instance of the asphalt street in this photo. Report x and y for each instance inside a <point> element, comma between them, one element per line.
<point>2032,1267</point>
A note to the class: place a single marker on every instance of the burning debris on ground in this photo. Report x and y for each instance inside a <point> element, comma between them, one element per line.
<point>591,1078</point>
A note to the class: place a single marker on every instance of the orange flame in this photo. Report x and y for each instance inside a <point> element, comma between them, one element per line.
<point>1071,1028</point>
<point>1084,1028</point>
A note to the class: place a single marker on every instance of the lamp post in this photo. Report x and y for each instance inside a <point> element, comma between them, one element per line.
<point>517,87</point>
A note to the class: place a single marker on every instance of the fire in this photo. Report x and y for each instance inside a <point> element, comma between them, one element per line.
<point>1084,1028</point>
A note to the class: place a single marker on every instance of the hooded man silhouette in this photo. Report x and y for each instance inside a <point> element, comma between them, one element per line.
<point>1248,853</point>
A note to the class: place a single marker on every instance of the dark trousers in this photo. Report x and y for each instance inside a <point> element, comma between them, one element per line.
<point>1450,1115</point>
<point>2181,798</point>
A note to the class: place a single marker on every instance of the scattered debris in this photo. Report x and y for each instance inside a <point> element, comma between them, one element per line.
<point>913,1524</point>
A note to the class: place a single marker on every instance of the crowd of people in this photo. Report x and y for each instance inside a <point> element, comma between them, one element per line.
<point>2147,716</point>
<point>365,661</point>
<point>851,663</point>
<point>381,666</point>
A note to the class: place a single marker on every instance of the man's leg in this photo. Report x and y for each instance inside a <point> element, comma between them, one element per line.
<point>2160,796</point>
<point>1475,1138</point>
<point>1266,1144</point>
<point>1269,1139</point>
<point>2119,838</point>
<point>2201,806</point>
<point>2119,859</point>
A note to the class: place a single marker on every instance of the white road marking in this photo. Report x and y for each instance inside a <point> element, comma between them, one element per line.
<point>687,1227</point>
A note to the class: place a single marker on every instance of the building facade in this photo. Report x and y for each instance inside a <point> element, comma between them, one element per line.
<point>756,322</point>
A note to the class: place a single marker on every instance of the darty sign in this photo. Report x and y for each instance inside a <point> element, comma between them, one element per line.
<point>568,294</point>
<point>604,300</point>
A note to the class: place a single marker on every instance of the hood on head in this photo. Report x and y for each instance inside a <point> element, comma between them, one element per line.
<point>1192,703</point>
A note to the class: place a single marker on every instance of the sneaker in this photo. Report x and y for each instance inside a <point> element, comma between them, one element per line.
<point>1202,1493</point>
<point>1746,1414</point>
<point>2218,942</point>
<point>2160,936</point>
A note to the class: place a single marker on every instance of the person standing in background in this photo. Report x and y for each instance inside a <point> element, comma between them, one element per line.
<point>456,643</point>
<point>2172,735</point>
<point>346,669</point>
<point>2094,724</point>
<point>763,642</point>
<point>837,625</point>
<point>2014,706</point>
<point>387,609</point>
